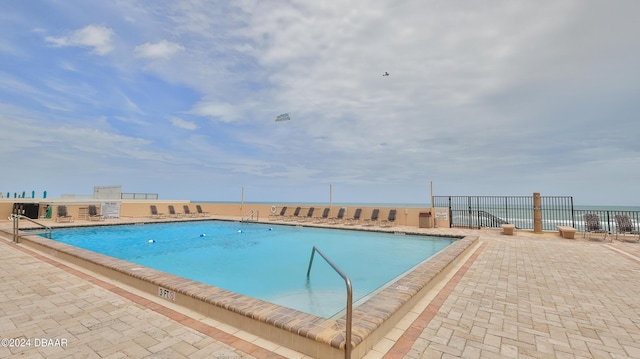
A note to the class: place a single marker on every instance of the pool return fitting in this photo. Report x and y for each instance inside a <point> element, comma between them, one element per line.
<point>347,281</point>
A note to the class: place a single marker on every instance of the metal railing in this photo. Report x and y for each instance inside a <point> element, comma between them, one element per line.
<point>347,281</point>
<point>46,230</point>
<point>141,196</point>
<point>251,216</point>
<point>493,211</point>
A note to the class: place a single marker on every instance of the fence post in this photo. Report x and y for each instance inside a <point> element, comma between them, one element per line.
<point>537,213</point>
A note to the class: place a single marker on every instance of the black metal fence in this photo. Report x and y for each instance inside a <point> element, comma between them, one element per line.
<point>487,211</point>
<point>493,211</point>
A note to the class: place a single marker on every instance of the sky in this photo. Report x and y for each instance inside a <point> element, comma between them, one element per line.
<point>180,97</point>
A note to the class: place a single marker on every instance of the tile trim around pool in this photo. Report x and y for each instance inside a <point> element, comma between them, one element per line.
<point>309,334</point>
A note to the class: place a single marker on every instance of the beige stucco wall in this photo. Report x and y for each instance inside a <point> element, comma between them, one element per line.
<point>140,208</point>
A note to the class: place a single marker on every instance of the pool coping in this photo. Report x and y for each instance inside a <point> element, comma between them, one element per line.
<point>303,332</point>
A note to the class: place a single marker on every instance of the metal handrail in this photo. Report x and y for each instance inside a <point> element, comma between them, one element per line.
<point>249,215</point>
<point>16,226</point>
<point>347,281</point>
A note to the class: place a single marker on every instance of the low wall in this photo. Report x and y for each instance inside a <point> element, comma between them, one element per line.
<point>140,209</point>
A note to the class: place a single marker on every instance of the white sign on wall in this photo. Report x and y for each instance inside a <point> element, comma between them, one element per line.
<point>110,209</point>
<point>442,214</point>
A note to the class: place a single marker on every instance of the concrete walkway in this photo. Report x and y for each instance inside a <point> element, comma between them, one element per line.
<point>522,296</point>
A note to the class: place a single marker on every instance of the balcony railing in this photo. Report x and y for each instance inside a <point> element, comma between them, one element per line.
<point>141,196</point>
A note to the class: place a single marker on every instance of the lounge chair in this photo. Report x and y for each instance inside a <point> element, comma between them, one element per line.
<point>324,217</point>
<point>309,215</point>
<point>155,213</point>
<point>339,217</point>
<point>391,219</point>
<point>187,211</point>
<point>63,216</point>
<point>625,226</point>
<point>296,214</point>
<point>173,213</point>
<point>282,215</point>
<point>592,225</point>
<point>355,219</point>
<point>200,211</point>
<point>94,215</point>
<point>374,218</point>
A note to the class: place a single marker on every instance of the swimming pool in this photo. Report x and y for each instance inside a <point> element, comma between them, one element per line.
<point>264,261</point>
<point>313,335</point>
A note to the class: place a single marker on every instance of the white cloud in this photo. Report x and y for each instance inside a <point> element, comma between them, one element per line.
<point>187,125</point>
<point>479,94</point>
<point>68,66</point>
<point>73,142</point>
<point>160,50</point>
<point>98,37</point>
<point>217,111</point>
<point>133,120</point>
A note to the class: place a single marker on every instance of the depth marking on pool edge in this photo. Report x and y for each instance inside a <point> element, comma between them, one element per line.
<point>166,294</point>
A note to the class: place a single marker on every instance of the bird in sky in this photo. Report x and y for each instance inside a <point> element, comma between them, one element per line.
<point>385,74</point>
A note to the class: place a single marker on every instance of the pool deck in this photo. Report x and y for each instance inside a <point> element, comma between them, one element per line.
<point>522,296</point>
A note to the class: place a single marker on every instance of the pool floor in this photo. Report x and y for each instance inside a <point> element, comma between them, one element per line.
<point>265,261</point>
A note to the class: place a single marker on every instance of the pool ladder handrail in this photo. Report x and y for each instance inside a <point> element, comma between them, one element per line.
<point>16,227</point>
<point>347,281</point>
<point>248,217</point>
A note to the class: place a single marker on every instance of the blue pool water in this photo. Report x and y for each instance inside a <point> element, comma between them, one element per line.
<point>264,261</point>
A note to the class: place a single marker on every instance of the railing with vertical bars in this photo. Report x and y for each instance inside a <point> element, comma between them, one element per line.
<point>493,211</point>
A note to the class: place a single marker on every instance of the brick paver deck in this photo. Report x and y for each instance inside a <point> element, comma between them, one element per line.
<point>521,296</point>
<point>529,297</point>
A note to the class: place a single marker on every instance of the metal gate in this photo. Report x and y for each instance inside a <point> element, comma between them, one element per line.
<point>493,211</point>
